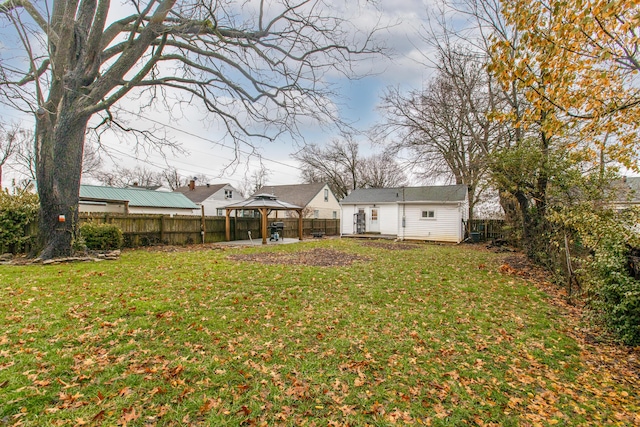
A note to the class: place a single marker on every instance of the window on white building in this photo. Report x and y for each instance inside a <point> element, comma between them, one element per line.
<point>326,194</point>
<point>335,215</point>
<point>428,214</point>
<point>228,194</point>
<point>316,214</point>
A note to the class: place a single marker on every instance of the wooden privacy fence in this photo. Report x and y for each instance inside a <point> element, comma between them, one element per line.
<point>488,229</point>
<point>144,230</point>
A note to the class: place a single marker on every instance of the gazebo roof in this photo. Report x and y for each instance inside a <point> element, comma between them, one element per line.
<point>261,201</point>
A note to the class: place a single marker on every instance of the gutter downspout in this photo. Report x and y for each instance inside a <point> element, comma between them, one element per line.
<point>404,218</point>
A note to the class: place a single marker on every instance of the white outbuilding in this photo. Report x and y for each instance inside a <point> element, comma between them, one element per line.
<point>436,213</point>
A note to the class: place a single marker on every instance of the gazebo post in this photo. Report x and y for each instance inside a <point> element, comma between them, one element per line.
<point>263,221</point>
<point>263,203</point>
<point>227,225</point>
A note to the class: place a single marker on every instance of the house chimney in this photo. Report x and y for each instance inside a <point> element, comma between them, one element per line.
<point>624,179</point>
<point>135,183</point>
<point>192,185</point>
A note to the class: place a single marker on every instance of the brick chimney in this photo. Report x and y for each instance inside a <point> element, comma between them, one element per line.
<point>192,184</point>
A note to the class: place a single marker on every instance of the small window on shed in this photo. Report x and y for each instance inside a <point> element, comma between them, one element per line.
<point>428,214</point>
<point>228,194</point>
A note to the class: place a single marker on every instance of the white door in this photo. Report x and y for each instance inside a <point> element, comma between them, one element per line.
<point>374,221</point>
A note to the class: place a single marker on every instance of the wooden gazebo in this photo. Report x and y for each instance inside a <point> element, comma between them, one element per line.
<point>265,203</point>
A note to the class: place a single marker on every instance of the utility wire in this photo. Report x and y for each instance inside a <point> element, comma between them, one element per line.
<point>150,163</point>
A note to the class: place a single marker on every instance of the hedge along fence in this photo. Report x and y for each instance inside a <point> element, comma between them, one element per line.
<point>144,230</point>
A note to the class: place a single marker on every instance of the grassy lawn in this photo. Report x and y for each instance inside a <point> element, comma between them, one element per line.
<point>426,335</point>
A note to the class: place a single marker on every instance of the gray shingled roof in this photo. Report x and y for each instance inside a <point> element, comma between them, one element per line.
<point>297,194</point>
<point>439,193</point>
<point>633,182</point>
<point>200,193</point>
<point>136,197</point>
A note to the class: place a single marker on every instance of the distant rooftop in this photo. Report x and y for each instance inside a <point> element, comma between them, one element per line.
<point>436,193</point>
<point>199,193</point>
<point>297,194</point>
<point>268,201</point>
<point>136,197</point>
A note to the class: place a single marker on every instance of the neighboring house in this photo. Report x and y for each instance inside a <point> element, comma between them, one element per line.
<point>134,200</point>
<point>317,200</point>
<point>433,213</point>
<point>629,192</point>
<point>214,197</point>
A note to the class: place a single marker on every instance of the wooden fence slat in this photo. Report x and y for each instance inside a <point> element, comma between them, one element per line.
<point>181,229</point>
<point>489,229</point>
<point>144,230</point>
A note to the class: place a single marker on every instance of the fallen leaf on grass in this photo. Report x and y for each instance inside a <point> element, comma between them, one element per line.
<point>128,415</point>
<point>209,404</point>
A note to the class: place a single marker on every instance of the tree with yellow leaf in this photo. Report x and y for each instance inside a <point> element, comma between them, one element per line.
<point>576,62</point>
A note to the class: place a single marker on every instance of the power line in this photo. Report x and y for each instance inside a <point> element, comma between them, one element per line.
<point>208,140</point>
<point>156,165</point>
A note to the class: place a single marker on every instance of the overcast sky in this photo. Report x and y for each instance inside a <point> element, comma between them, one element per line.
<point>206,152</point>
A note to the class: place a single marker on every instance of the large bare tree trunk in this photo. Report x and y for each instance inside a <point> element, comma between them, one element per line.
<point>59,146</point>
<point>78,63</point>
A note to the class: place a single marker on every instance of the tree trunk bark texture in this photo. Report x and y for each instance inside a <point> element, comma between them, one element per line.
<point>59,147</point>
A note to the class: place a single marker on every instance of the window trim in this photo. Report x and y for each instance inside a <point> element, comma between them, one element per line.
<point>428,217</point>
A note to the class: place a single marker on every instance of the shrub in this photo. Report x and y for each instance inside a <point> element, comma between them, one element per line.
<point>607,234</point>
<point>101,236</point>
<point>17,212</point>
<point>616,294</point>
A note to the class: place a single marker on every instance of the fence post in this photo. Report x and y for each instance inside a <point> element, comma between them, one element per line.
<point>202,223</point>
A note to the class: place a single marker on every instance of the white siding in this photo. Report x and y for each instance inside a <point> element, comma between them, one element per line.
<point>120,208</point>
<point>101,207</point>
<point>388,218</point>
<point>218,200</point>
<point>163,211</point>
<point>445,227</point>
<point>346,219</point>
<point>325,209</point>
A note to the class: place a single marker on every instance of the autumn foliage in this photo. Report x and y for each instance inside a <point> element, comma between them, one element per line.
<point>572,67</point>
<point>17,212</point>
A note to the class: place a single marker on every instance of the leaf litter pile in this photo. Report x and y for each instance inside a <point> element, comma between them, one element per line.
<point>440,335</point>
<point>390,246</point>
<point>321,257</point>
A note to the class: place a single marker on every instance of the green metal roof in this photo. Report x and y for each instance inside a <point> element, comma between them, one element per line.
<point>136,197</point>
